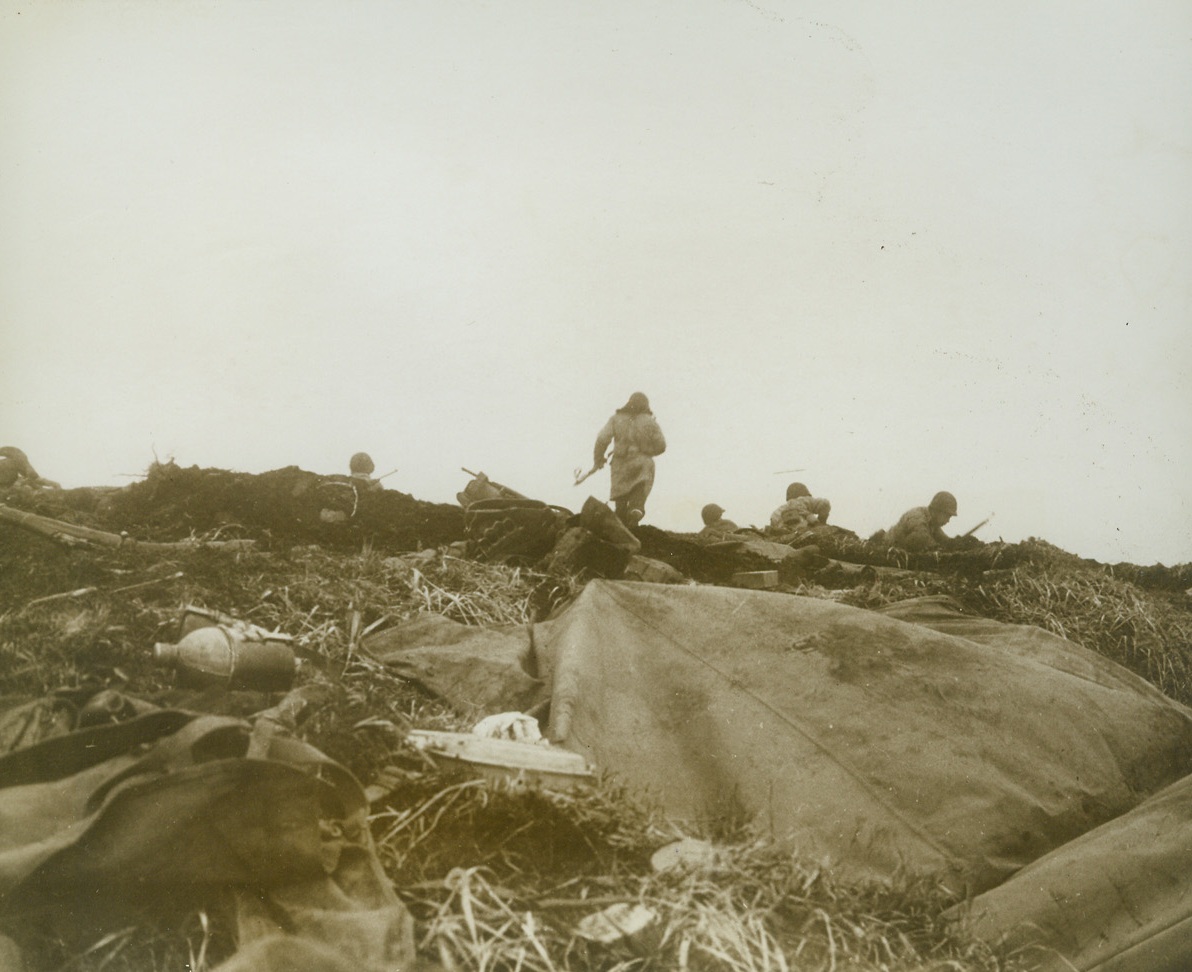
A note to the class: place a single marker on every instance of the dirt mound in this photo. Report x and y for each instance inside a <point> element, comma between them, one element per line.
<point>695,559</point>
<point>1157,577</point>
<point>283,507</point>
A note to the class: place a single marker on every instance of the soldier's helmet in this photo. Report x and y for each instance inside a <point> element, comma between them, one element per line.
<point>711,513</point>
<point>361,462</point>
<point>637,404</point>
<point>795,490</point>
<point>943,502</point>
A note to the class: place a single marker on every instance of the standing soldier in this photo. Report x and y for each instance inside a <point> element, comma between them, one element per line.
<point>636,439</point>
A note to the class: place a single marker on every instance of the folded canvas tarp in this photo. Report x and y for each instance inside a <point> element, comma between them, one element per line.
<point>877,743</point>
<point>174,808</point>
<point>478,671</point>
<point>1118,899</point>
<point>942,614</point>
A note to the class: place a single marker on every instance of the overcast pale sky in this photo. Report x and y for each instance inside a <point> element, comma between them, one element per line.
<point>898,247</point>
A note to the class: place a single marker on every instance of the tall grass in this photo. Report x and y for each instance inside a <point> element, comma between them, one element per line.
<point>753,908</point>
<point>1141,630</point>
<point>1147,631</point>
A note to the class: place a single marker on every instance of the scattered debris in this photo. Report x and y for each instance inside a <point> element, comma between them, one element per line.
<point>756,579</point>
<point>688,853</point>
<point>515,763</point>
<point>70,532</point>
<point>616,923</point>
<point>84,591</point>
<point>513,726</point>
<point>652,571</point>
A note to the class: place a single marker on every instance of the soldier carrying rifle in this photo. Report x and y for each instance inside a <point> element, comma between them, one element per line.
<point>636,439</point>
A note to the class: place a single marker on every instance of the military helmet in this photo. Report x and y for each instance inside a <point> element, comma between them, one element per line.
<point>711,513</point>
<point>943,502</point>
<point>637,404</point>
<point>361,462</point>
<point>795,490</point>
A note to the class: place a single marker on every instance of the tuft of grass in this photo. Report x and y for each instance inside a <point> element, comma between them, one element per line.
<point>434,821</point>
<point>196,941</point>
<point>1144,631</point>
<point>1148,631</point>
<point>755,909</point>
<point>499,877</point>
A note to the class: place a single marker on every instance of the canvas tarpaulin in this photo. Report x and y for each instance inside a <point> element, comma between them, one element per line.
<point>477,671</point>
<point>871,741</point>
<point>942,614</point>
<point>1117,899</point>
<point>174,807</point>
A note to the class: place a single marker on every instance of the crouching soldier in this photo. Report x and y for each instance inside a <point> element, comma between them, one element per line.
<point>920,529</point>
<point>16,468</point>
<point>715,525</point>
<point>800,513</point>
<point>361,469</point>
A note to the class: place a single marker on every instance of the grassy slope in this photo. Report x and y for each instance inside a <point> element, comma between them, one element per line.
<point>473,860</point>
<point>1147,631</point>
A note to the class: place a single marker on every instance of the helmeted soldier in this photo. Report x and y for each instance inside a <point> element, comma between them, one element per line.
<point>801,511</point>
<point>636,439</point>
<point>715,525</point>
<point>919,529</point>
<point>361,466</point>
<point>16,468</point>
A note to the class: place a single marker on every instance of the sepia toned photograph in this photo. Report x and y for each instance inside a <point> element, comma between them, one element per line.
<point>617,487</point>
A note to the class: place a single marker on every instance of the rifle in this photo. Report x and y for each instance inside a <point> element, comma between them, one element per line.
<point>581,476</point>
<point>977,527</point>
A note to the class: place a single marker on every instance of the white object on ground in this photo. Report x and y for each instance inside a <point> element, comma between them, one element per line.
<point>516,726</point>
<point>686,853</point>
<point>615,923</point>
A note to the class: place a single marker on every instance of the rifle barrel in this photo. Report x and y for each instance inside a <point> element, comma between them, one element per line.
<point>979,525</point>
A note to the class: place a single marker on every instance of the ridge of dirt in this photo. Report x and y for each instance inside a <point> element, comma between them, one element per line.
<point>291,506</point>
<point>283,507</point>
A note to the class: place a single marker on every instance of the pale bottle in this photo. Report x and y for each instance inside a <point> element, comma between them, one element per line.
<point>220,655</point>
